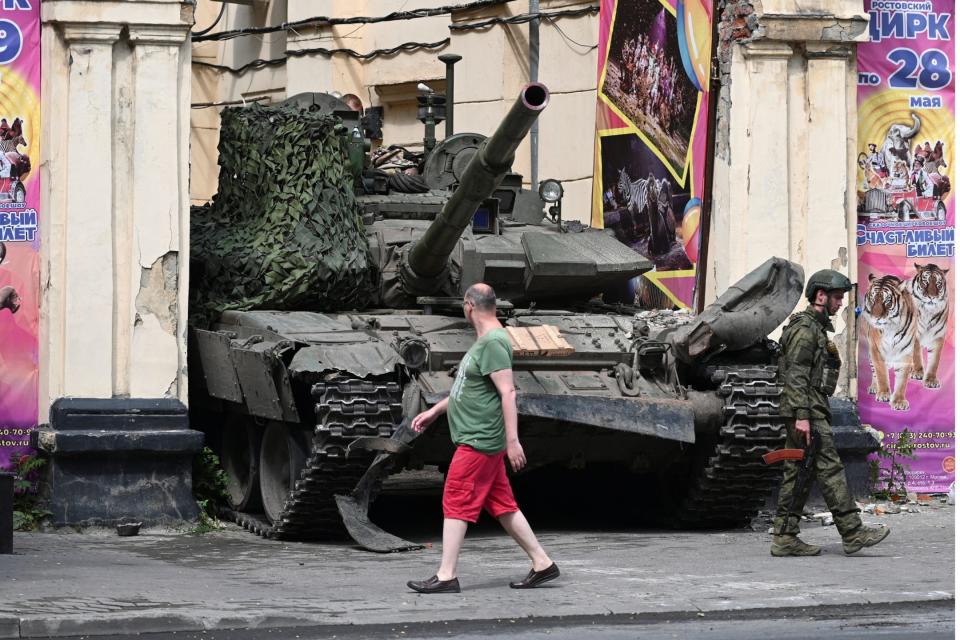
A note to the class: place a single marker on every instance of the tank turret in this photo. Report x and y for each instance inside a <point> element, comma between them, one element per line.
<point>426,259</point>
<point>493,230</point>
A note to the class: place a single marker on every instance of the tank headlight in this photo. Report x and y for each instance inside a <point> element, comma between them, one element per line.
<point>551,190</point>
<point>414,352</point>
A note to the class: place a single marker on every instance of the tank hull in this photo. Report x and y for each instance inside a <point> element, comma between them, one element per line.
<point>341,386</point>
<point>310,410</point>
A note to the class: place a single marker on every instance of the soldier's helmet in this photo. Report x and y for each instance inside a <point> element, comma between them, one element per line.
<point>828,280</point>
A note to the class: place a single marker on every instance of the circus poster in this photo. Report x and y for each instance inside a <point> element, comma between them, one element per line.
<point>651,139</point>
<point>19,218</point>
<point>905,233</point>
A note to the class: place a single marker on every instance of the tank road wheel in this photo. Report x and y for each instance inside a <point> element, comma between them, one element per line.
<point>304,466</point>
<point>241,462</point>
<point>283,454</point>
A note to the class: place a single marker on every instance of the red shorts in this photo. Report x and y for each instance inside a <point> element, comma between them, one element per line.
<point>477,481</point>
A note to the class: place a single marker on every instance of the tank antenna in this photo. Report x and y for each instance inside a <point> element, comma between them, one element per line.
<point>449,59</point>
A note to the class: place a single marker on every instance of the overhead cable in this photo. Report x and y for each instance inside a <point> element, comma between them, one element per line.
<point>549,16</point>
<point>227,103</point>
<point>563,34</point>
<point>320,21</point>
<point>223,9</point>
<point>523,18</point>
<point>260,63</point>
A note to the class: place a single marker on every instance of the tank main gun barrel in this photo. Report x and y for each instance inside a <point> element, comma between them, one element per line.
<point>427,258</point>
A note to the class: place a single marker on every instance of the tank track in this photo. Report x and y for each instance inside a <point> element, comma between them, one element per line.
<point>345,411</point>
<point>733,483</point>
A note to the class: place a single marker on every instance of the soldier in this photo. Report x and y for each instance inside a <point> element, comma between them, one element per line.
<point>809,369</point>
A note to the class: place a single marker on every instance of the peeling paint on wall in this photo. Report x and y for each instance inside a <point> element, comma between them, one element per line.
<point>155,347</point>
<point>158,291</point>
<point>843,32</point>
<point>738,23</point>
<point>840,262</point>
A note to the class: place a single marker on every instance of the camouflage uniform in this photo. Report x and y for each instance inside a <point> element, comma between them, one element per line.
<point>809,367</point>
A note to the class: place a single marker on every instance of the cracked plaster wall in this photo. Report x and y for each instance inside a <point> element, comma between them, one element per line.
<point>114,245</point>
<point>155,323</point>
<point>785,141</point>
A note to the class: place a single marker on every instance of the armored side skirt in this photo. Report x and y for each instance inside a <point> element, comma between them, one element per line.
<point>662,418</point>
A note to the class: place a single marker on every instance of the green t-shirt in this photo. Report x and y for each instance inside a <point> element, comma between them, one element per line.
<point>474,411</point>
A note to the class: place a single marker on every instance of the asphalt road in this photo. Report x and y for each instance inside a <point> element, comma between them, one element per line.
<point>619,578</point>
<point>927,621</point>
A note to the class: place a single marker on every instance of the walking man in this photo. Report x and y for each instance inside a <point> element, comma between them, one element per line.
<point>482,413</point>
<point>809,369</point>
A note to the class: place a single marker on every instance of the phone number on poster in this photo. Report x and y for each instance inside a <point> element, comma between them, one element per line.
<point>15,431</point>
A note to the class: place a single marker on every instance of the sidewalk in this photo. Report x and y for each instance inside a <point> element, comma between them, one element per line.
<point>61,584</point>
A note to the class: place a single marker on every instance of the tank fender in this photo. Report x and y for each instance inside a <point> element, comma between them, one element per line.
<point>267,391</point>
<point>247,372</point>
<point>357,359</point>
<point>744,315</point>
<point>354,507</point>
<point>666,418</point>
<point>213,354</point>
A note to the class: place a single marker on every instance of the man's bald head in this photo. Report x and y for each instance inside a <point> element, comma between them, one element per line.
<point>482,297</point>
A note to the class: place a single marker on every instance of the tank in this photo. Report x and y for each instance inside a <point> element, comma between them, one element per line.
<point>310,410</point>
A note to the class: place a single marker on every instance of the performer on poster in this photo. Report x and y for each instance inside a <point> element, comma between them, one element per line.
<point>877,161</point>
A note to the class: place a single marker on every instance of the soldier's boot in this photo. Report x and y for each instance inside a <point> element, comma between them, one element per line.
<point>864,536</point>
<point>788,545</point>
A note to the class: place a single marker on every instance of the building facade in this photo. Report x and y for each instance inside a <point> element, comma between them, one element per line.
<point>130,130</point>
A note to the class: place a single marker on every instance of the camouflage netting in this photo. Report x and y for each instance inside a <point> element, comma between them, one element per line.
<point>284,230</point>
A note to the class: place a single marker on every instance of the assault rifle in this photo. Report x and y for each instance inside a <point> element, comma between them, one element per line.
<point>807,458</point>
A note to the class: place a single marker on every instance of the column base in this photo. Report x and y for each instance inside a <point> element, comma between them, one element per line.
<point>854,445</point>
<point>113,459</point>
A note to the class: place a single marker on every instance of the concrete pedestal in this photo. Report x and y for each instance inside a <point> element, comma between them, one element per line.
<point>854,445</point>
<point>118,459</point>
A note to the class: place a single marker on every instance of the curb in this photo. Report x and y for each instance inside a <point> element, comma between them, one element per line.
<point>23,628</point>
<point>9,627</point>
<point>93,626</point>
<point>47,628</point>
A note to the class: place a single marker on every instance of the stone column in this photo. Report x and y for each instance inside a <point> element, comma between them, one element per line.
<point>114,254</point>
<point>784,163</point>
<point>115,203</point>
<point>87,288</point>
<point>830,209</point>
<point>153,327</point>
<point>831,191</point>
<point>760,208</point>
